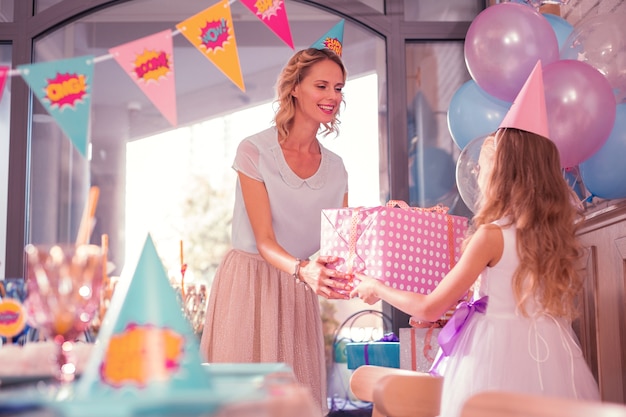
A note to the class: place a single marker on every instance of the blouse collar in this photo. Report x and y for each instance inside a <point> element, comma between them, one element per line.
<point>316,181</point>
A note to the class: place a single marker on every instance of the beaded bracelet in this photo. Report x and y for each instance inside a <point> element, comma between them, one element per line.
<point>296,271</point>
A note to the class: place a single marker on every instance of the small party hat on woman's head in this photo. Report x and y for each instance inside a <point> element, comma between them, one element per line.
<point>333,39</point>
<point>528,111</point>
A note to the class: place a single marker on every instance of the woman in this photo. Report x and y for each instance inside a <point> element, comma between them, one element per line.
<point>263,305</point>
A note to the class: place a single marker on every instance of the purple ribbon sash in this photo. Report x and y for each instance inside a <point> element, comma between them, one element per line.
<point>449,334</point>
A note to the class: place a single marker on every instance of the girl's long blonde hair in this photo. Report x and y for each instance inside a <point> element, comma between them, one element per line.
<point>527,187</point>
<point>296,69</point>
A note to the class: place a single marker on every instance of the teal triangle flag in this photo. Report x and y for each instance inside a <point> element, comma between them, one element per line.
<point>333,39</point>
<point>146,348</point>
<point>64,88</point>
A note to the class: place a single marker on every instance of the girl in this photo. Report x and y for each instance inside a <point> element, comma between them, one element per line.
<point>521,259</point>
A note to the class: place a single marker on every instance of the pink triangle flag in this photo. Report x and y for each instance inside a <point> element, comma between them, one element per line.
<point>528,111</point>
<point>149,62</point>
<point>4,72</point>
<point>274,15</point>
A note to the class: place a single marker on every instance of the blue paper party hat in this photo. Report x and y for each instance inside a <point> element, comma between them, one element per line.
<point>146,354</point>
<point>333,39</point>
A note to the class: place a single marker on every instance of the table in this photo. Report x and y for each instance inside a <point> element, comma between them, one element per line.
<point>285,396</point>
<point>276,393</point>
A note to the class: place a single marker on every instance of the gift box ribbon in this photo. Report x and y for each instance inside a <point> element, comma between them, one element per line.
<point>426,351</point>
<point>354,222</point>
<point>389,337</point>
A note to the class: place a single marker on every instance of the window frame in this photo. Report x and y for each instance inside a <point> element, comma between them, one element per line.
<point>391,26</point>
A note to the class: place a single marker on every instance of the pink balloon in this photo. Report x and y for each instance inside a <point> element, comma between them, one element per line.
<point>503,44</point>
<point>581,109</point>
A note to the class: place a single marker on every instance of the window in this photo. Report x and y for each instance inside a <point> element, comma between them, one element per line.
<point>6,10</point>
<point>441,11</point>
<point>52,180</point>
<point>435,70</point>
<point>41,5</point>
<point>175,182</point>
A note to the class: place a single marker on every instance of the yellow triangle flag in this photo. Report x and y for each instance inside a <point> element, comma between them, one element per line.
<point>211,31</point>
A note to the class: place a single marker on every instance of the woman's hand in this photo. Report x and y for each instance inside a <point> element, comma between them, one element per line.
<point>366,289</point>
<point>327,282</point>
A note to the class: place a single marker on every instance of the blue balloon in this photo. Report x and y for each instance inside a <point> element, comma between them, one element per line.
<point>431,176</point>
<point>473,113</point>
<point>562,28</point>
<point>604,173</point>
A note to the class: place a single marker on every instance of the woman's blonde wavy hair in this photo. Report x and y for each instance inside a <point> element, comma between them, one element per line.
<point>526,186</point>
<point>297,68</point>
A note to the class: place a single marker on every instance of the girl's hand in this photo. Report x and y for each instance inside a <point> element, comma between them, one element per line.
<point>366,289</point>
<point>327,282</point>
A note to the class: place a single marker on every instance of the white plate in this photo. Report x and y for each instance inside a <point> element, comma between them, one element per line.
<point>246,369</point>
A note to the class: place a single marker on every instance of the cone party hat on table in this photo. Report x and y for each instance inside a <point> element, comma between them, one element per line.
<point>146,353</point>
<point>528,111</point>
<point>333,39</point>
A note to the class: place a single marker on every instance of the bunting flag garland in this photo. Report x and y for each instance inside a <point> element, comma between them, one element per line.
<point>64,88</point>
<point>273,14</point>
<point>149,62</point>
<point>333,39</point>
<point>4,71</point>
<point>212,33</point>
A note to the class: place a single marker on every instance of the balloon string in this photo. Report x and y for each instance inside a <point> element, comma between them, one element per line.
<point>586,200</point>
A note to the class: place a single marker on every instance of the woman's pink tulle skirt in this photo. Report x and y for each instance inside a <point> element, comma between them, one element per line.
<point>257,313</point>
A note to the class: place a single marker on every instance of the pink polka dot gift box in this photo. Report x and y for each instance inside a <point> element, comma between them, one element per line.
<point>409,248</point>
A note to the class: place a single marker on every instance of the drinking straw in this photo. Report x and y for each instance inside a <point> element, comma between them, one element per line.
<point>183,268</point>
<point>102,308</point>
<point>87,222</point>
<point>105,252</point>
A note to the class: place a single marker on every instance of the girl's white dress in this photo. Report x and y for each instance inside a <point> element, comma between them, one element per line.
<point>502,350</point>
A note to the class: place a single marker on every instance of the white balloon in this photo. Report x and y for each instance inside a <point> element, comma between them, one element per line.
<point>600,41</point>
<point>467,171</point>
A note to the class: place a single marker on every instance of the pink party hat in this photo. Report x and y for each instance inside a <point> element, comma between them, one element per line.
<point>333,39</point>
<point>528,111</point>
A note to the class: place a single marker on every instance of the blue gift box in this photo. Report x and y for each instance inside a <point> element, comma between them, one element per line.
<point>373,353</point>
